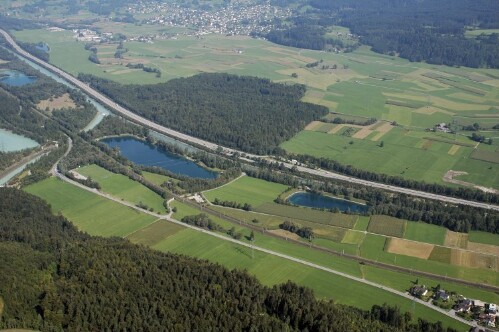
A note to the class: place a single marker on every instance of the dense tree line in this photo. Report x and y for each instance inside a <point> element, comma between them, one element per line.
<point>460,192</point>
<point>203,221</point>
<point>304,232</point>
<point>232,204</point>
<point>53,277</point>
<point>247,113</point>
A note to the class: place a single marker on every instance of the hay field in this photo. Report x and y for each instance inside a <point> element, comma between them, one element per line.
<point>409,248</point>
<point>484,248</point>
<point>455,239</point>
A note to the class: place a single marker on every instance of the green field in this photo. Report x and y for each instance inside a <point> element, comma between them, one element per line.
<point>482,237</point>
<point>271,270</point>
<point>416,96</point>
<point>122,187</point>
<point>423,232</point>
<point>89,212</point>
<point>157,179</point>
<point>247,190</point>
<point>387,226</point>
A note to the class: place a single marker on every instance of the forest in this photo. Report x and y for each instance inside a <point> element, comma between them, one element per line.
<point>54,277</point>
<point>426,30</point>
<point>247,113</point>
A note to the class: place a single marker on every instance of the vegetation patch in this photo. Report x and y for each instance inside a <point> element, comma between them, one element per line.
<point>123,187</point>
<point>456,239</point>
<point>484,248</point>
<point>409,248</point>
<point>485,155</point>
<point>483,237</point>
<point>57,103</point>
<point>155,232</point>
<point>474,260</point>
<point>322,217</point>
<point>441,254</point>
<point>423,232</point>
<point>387,226</point>
<point>247,190</point>
<point>89,212</point>
<point>353,237</point>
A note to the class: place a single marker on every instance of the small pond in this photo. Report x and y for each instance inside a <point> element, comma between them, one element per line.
<point>143,153</point>
<point>314,200</point>
<point>10,142</point>
<point>15,78</point>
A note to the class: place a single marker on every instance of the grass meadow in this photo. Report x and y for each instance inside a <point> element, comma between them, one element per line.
<point>89,212</point>
<point>122,187</point>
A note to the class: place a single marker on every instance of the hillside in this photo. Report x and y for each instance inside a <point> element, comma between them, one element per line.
<point>54,277</point>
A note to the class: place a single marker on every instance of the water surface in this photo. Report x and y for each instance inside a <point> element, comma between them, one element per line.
<point>314,200</point>
<point>15,78</point>
<point>143,153</point>
<point>10,142</point>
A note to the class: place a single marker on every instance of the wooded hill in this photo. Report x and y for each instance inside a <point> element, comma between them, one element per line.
<point>53,277</point>
<point>247,113</point>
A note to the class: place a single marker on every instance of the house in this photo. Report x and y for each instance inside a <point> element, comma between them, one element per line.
<point>464,305</point>
<point>492,309</point>
<point>441,294</point>
<point>419,291</point>
<point>442,127</point>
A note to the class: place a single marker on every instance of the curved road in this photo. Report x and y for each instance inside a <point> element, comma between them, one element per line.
<point>212,146</point>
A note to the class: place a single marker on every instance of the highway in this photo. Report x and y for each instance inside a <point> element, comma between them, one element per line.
<point>112,105</point>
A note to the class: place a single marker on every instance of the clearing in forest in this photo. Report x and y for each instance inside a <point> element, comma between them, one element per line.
<point>57,103</point>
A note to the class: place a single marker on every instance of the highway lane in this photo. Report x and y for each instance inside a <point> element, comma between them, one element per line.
<point>212,146</point>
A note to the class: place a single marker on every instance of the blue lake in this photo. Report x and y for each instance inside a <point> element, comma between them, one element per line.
<point>10,142</point>
<point>314,200</point>
<point>143,153</point>
<point>15,78</point>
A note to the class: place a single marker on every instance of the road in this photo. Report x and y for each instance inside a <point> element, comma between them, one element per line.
<point>212,146</point>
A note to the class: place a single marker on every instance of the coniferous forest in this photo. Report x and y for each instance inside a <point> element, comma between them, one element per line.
<point>247,113</point>
<point>53,278</point>
<point>418,30</point>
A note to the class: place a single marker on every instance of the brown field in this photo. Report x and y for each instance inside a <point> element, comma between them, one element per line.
<point>455,239</point>
<point>409,248</point>
<point>484,248</point>
<point>363,133</point>
<point>313,125</point>
<point>453,149</point>
<point>474,260</point>
<point>336,129</point>
<point>283,233</point>
<point>58,103</point>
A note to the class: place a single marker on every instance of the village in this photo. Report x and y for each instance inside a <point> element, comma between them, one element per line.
<point>485,314</point>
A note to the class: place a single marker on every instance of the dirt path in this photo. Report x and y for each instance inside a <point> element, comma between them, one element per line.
<point>450,178</point>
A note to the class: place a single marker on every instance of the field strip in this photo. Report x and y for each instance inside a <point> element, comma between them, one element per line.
<point>135,231</point>
<point>274,253</point>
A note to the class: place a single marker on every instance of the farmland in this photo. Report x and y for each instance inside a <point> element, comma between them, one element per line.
<point>90,213</point>
<point>414,96</point>
<point>122,187</point>
<point>164,236</point>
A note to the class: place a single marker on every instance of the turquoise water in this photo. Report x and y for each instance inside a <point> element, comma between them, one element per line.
<point>143,153</point>
<point>314,200</point>
<point>10,142</point>
<point>15,78</point>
